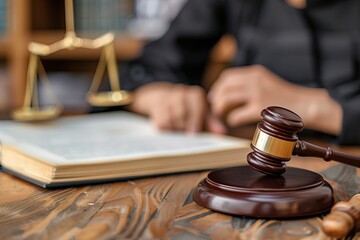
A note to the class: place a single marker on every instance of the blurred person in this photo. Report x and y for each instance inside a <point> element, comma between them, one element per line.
<point>298,54</point>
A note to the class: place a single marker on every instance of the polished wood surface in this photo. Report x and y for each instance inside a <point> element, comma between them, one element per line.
<point>151,208</point>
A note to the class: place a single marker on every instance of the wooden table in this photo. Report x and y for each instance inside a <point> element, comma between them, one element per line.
<point>150,208</point>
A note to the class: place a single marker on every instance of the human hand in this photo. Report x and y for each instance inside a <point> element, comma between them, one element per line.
<point>172,106</point>
<point>241,93</point>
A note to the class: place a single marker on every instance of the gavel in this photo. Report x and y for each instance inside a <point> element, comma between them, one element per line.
<point>275,141</point>
<point>344,217</point>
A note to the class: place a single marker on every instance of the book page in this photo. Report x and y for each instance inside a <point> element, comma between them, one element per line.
<point>106,137</point>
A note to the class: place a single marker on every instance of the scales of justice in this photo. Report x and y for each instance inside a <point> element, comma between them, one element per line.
<point>31,110</point>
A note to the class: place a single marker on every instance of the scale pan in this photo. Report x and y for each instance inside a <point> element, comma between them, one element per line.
<point>33,114</point>
<point>109,99</point>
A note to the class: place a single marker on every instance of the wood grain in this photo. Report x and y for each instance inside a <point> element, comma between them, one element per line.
<point>148,208</point>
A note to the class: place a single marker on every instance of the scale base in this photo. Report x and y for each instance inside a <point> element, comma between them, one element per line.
<point>109,99</point>
<point>246,192</point>
<point>37,114</point>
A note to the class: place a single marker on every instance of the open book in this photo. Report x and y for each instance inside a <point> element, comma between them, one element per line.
<point>106,147</point>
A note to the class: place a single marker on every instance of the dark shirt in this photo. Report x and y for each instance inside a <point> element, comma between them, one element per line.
<point>318,46</point>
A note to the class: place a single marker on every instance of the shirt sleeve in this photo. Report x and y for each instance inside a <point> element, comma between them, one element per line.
<point>350,134</point>
<point>341,65</point>
<point>181,54</point>
<point>347,94</point>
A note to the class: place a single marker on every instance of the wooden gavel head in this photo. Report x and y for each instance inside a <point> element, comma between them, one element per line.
<point>274,140</point>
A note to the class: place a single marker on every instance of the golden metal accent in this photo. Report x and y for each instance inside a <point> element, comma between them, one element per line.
<point>113,98</point>
<point>271,145</point>
<point>31,111</point>
<point>31,114</point>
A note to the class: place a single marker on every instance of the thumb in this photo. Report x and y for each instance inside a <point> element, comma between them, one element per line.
<point>215,125</point>
<point>241,116</point>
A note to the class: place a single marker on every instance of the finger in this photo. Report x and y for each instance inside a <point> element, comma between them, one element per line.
<point>160,117</point>
<point>234,78</point>
<point>224,104</point>
<point>215,125</point>
<point>242,116</point>
<point>196,109</point>
<point>224,85</point>
<point>177,108</point>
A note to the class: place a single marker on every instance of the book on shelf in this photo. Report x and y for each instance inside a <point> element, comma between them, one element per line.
<point>4,87</point>
<point>3,16</point>
<point>100,16</point>
<point>142,18</point>
<point>110,146</point>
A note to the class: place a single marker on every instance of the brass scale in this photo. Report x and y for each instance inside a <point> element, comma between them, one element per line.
<point>31,110</point>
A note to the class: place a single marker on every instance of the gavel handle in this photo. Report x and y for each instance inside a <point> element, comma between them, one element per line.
<point>343,218</point>
<point>303,148</point>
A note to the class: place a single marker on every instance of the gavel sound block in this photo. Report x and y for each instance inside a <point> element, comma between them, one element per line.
<point>267,188</point>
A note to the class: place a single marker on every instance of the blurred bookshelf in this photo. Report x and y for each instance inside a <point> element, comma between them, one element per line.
<point>3,17</point>
<point>43,21</point>
<point>4,47</point>
<point>134,22</point>
<point>4,95</point>
<point>94,16</point>
<point>4,43</point>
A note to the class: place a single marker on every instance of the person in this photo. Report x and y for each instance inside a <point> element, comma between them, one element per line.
<point>298,54</point>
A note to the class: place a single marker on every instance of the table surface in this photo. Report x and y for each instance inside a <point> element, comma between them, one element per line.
<point>151,208</point>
